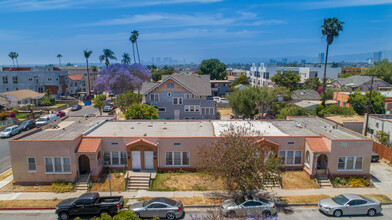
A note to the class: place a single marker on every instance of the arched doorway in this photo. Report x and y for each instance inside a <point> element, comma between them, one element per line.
<point>322,162</point>
<point>84,164</point>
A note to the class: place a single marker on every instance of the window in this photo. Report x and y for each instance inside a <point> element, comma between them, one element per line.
<point>251,203</point>
<point>350,163</point>
<point>114,143</point>
<point>162,109</point>
<point>177,158</point>
<point>168,94</point>
<point>106,158</point>
<point>207,110</point>
<point>40,89</point>
<point>57,165</point>
<point>49,79</point>
<point>290,159</point>
<point>192,108</point>
<point>290,143</point>
<point>157,206</point>
<point>5,79</point>
<point>169,85</point>
<point>298,157</point>
<point>282,154</point>
<point>115,158</point>
<point>377,125</point>
<point>30,79</point>
<point>15,79</point>
<point>189,96</point>
<point>177,144</point>
<point>31,164</point>
<point>124,158</point>
<point>307,158</point>
<point>154,97</point>
<point>177,101</point>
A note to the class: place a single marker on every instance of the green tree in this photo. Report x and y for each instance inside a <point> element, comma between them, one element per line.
<point>47,100</point>
<point>338,110</point>
<point>156,75</point>
<point>95,71</point>
<point>312,83</point>
<point>107,56</point>
<point>383,138</point>
<point>125,100</point>
<point>293,110</point>
<point>126,59</point>
<point>59,56</point>
<point>330,30</point>
<point>359,102</point>
<point>382,70</point>
<point>99,102</point>
<point>87,54</point>
<point>214,68</point>
<point>241,80</point>
<point>288,79</point>
<point>240,161</point>
<point>140,111</point>
<point>12,56</point>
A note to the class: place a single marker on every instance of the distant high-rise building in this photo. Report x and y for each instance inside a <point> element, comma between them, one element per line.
<point>272,61</point>
<point>158,60</point>
<point>377,57</point>
<point>284,60</point>
<point>321,58</point>
<point>303,61</point>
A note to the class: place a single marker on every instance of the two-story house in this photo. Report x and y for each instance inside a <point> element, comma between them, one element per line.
<point>181,97</point>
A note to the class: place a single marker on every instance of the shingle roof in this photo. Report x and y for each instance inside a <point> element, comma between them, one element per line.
<point>4,101</point>
<point>306,95</point>
<point>317,145</point>
<point>88,146</point>
<point>355,80</point>
<point>76,77</point>
<point>199,84</point>
<point>23,94</point>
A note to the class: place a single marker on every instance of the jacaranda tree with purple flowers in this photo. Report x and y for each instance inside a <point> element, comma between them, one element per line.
<point>118,78</point>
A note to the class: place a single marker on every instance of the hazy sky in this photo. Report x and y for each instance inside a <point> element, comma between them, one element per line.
<point>190,29</point>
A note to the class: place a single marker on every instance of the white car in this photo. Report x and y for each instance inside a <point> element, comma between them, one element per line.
<point>107,108</point>
<point>44,120</point>
<point>222,100</point>
<point>10,131</point>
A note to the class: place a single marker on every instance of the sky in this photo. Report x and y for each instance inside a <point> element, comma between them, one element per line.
<point>194,30</point>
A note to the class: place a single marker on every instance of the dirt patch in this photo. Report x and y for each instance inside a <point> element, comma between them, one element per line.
<point>29,203</point>
<point>379,197</point>
<point>194,200</point>
<point>303,199</point>
<point>20,188</point>
<point>185,182</point>
<point>117,183</point>
<point>5,174</point>
<point>298,180</point>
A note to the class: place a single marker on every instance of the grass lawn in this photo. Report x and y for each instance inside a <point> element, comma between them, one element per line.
<point>194,200</point>
<point>117,184</point>
<point>297,180</point>
<point>379,197</point>
<point>185,182</point>
<point>56,188</point>
<point>5,174</point>
<point>57,105</point>
<point>29,203</point>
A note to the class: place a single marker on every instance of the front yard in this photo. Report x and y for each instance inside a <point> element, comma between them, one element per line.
<point>58,187</point>
<point>117,183</point>
<point>297,180</point>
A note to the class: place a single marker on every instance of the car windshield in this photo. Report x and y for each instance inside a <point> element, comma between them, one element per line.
<point>7,129</point>
<point>41,119</point>
<point>340,199</point>
<point>24,123</point>
<point>75,106</point>
<point>239,200</point>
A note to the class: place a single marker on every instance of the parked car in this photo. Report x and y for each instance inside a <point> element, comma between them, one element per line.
<point>47,119</point>
<point>10,131</point>
<point>350,204</point>
<point>375,157</point>
<point>222,100</point>
<point>60,113</point>
<point>107,108</point>
<point>27,125</point>
<point>248,206</point>
<point>89,204</point>
<point>159,207</point>
<point>76,107</point>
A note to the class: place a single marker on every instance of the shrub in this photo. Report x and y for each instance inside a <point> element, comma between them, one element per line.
<point>355,182</point>
<point>15,110</point>
<point>180,171</point>
<point>61,186</point>
<point>3,116</point>
<point>12,115</point>
<point>117,175</point>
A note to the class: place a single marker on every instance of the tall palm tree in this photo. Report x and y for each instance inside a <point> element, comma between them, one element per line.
<point>330,29</point>
<point>12,56</point>
<point>133,40</point>
<point>87,54</point>
<point>16,55</point>
<point>95,71</point>
<point>126,59</point>
<point>106,56</point>
<point>59,56</point>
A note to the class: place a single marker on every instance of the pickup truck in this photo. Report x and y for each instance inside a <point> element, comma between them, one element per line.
<point>89,204</point>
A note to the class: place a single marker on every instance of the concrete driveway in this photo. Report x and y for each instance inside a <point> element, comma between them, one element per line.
<point>382,177</point>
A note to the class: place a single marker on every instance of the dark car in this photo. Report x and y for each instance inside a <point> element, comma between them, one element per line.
<point>375,157</point>
<point>27,125</point>
<point>89,204</point>
<point>159,207</point>
<point>76,107</point>
<point>60,113</point>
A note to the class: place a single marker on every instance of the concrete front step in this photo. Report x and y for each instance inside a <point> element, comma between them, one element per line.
<point>136,188</point>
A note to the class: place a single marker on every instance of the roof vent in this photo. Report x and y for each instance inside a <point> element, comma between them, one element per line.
<point>145,134</point>
<point>164,128</point>
<point>132,127</point>
<point>149,126</point>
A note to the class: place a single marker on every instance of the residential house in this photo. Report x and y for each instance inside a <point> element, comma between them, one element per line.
<point>38,79</point>
<point>89,145</point>
<point>241,86</point>
<point>24,96</point>
<point>354,123</point>
<point>378,122</point>
<point>342,98</point>
<point>76,84</point>
<point>82,70</point>
<point>220,87</point>
<point>305,95</point>
<point>361,82</point>
<point>309,105</point>
<point>181,97</point>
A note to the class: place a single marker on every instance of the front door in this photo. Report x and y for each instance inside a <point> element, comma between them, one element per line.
<point>176,114</point>
<point>148,160</point>
<point>136,161</point>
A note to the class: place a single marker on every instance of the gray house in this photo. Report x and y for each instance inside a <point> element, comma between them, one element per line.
<point>361,82</point>
<point>181,97</point>
<point>220,87</point>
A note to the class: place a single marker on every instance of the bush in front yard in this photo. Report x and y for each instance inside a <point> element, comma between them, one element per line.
<point>352,181</point>
<point>61,187</point>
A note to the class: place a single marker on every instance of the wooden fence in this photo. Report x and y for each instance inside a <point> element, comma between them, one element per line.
<point>383,151</point>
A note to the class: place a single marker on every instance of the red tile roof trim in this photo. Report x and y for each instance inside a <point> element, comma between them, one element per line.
<point>88,145</point>
<point>75,77</point>
<point>317,145</point>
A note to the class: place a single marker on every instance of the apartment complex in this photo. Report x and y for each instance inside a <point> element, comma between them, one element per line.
<point>79,145</point>
<point>181,97</point>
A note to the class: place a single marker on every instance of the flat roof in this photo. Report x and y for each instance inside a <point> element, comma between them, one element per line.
<point>68,129</point>
<point>262,128</point>
<point>155,129</point>
<point>341,119</point>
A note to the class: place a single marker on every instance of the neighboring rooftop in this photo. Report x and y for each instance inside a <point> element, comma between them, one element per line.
<point>200,84</point>
<point>306,95</point>
<point>382,116</point>
<point>317,145</point>
<point>306,104</point>
<point>23,94</point>
<point>68,129</point>
<point>76,77</point>
<point>342,119</point>
<point>266,128</point>
<point>355,80</point>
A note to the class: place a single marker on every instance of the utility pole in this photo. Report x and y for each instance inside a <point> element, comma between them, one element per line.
<point>368,107</point>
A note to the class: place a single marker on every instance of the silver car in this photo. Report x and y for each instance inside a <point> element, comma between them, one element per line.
<point>244,206</point>
<point>159,207</point>
<point>350,204</point>
<point>10,131</point>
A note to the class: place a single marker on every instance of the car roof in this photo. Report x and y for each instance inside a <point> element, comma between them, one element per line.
<point>352,196</point>
<point>89,196</point>
<point>162,200</point>
<point>13,126</point>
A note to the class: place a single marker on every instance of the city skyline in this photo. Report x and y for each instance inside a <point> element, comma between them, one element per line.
<point>188,29</point>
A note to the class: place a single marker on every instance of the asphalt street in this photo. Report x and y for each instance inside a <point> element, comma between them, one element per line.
<point>298,213</point>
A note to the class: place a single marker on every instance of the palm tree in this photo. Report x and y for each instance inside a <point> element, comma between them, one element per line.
<point>133,40</point>
<point>59,56</point>
<point>87,54</point>
<point>95,71</point>
<point>330,29</point>
<point>16,55</point>
<point>107,55</point>
<point>12,56</point>
<point>126,59</point>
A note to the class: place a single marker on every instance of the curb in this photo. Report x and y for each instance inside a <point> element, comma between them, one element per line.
<point>29,208</point>
<point>6,171</point>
